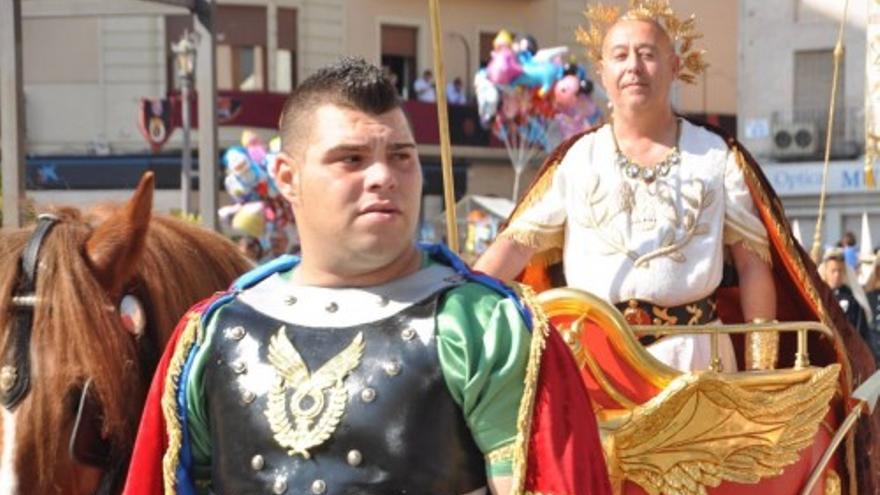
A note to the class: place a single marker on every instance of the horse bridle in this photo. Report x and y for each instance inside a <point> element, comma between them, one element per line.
<point>15,373</point>
<point>15,369</point>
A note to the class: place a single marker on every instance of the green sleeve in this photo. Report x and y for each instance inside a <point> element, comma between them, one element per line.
<point>197,414</point>
<point>483,345</point>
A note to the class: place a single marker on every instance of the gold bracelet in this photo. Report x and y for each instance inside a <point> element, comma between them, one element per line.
<point>759,321</point>
<point>762,348</point>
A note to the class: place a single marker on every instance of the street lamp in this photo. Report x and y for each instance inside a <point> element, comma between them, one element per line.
<point>185,61</point>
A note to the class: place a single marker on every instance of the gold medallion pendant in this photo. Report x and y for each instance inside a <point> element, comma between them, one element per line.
<point>318,399</point>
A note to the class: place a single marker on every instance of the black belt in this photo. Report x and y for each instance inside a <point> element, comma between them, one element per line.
<point>638,312</point>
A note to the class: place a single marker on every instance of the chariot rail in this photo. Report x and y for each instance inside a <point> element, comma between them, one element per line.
<point>574,301</point>
<point>802,328</point>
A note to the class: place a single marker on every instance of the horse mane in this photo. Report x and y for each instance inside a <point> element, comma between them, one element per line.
<point>77,332</point>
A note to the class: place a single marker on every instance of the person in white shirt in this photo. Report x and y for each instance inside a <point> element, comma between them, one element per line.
<point>455,93</point>
<point>424,88</point>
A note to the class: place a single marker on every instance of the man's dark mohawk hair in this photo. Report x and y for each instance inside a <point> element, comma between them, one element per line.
<point>362,84</point>
<point>350,82</point>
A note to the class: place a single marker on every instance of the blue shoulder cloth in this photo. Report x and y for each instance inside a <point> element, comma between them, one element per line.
<point>442,254</point>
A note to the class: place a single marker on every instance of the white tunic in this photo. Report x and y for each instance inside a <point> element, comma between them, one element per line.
<point>661,241</point>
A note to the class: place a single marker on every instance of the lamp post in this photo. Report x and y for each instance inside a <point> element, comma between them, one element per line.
<point>185,51</point>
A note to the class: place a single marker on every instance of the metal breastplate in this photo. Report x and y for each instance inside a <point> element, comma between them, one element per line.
<point>356,410</point>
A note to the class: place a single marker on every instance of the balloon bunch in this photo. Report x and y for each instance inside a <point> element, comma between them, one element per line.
<point>532,99</point>
<point>259,208</point>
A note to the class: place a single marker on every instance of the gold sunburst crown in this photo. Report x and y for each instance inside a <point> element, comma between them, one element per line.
<point>682,32</point>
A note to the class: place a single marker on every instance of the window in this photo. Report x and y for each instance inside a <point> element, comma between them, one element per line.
<point>285,57</point>
<point>486,40</point>
<point>241,47</point>
<point>247,68</point>
<point>399,49</point>
<point>813,75</point>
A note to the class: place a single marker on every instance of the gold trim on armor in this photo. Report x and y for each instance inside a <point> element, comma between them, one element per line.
<point>170,459</point>
<point>503,453</point>
<point>540,331</point>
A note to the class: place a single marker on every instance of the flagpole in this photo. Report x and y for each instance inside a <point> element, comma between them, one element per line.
<point>443,124</point>
<point>816,251</point>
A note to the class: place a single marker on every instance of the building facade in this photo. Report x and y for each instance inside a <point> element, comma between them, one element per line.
<point>88,62</point>
<point>785,80</point>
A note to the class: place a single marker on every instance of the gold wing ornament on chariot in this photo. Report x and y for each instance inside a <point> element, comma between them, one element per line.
<point>318,398</point>
<point>704,429</point>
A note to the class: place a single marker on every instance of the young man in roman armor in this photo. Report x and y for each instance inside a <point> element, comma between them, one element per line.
<point>370,365</point>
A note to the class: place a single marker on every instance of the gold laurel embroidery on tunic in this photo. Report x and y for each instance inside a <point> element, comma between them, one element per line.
<point>318,399</point>
<point>648,207</point>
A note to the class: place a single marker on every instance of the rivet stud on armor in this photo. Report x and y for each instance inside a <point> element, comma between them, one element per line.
<point>280,486</point>
<point>392,368</point>
<point>354,458</point>
<point>319,487</point>
<point>368,394</point>
<point>235,333</point>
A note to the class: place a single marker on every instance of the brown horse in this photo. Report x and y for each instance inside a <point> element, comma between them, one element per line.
<point>110,285</point>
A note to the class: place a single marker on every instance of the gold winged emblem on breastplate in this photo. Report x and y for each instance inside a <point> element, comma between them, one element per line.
<point>318,398</point>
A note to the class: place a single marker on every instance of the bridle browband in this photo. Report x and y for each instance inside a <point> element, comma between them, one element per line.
<point>15,368</point>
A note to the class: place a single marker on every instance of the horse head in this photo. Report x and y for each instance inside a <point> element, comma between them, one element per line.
<point>87,302</point>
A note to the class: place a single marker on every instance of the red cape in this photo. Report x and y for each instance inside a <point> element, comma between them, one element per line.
<point>145,470</point>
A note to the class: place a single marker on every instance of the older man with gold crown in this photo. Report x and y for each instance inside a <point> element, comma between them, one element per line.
<point>647,210</point>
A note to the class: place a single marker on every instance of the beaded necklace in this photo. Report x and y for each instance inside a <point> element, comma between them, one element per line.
<point>634,171</point>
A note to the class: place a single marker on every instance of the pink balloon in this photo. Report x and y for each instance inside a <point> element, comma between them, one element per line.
<point>565,92</point>
<point>503,66</point>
